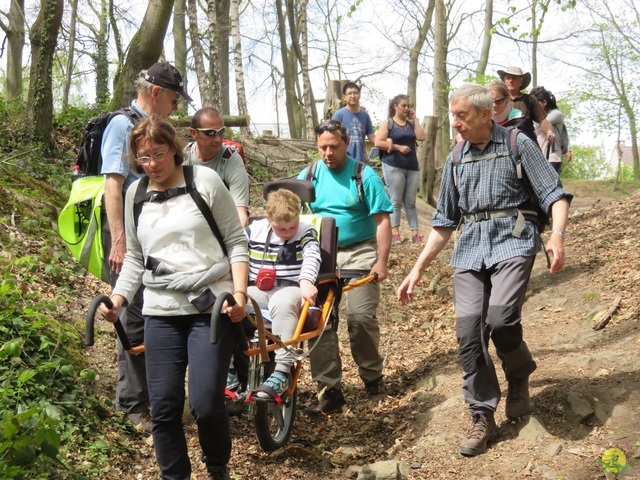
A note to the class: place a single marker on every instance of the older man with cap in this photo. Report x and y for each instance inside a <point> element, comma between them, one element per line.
<point>516,81</point>
<point>160,89</point>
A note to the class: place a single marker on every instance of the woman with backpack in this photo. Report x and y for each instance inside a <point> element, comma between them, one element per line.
<point>186,247</point>
<point>397,138</point>
<point>554,149</point>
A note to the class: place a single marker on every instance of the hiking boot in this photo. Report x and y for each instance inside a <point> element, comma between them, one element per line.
<point>331,402</point>
<point>517,403</point>
<point>215,472</point>
<point>396,238</point>
<point>275,385</point>
<point>478,435</point>
<point>376,390</point>
<point>141,420</point>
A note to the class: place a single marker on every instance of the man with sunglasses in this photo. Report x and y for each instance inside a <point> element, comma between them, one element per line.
<point>364,240</point>
<point>208,149</point>
<point>160,90</point>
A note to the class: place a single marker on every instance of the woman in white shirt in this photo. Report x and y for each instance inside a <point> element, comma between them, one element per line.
<point>555,118</point>
<point>172,250</point>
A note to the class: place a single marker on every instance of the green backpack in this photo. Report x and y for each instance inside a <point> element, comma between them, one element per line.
<point>80,224</point>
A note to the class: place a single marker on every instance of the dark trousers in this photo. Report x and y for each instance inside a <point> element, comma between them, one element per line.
<point>132,395</point>
<point>171,344</point>
<point>488,304</point>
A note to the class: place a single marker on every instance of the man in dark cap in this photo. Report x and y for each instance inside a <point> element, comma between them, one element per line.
<point>516,81</point>
<point>160,90</point>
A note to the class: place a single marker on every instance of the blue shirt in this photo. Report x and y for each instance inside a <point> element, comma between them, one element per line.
<point>115,147</point>
<point>358,126</point>
<point>488,185</point>
<point>337,197</point>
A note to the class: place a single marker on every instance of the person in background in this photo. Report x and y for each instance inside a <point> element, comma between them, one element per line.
<point>364,242</point>
<point>356,120</point>
<point>505,114</point>
<point>160,90</point>
<point>173,252</point>
<point>492,258</point>
<point>207,149</point>
<point>555,148</point>
<point>397,138</point>
<point>290,247</point>
<point>516,81</point>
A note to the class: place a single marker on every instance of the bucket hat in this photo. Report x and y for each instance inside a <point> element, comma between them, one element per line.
<point>526,77</point>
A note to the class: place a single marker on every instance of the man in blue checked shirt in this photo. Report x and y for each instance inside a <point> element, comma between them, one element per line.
<point>493,257</point>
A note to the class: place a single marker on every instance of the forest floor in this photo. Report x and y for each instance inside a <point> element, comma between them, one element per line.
<point>585,393</point>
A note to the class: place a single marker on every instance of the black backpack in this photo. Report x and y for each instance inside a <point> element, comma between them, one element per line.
<point>531,208</point>
<point>89,159</point>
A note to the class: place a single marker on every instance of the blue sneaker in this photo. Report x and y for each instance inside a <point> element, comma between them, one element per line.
<point>274,386</point>
<point>232,380</point>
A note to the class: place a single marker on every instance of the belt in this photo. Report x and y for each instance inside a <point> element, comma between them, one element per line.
<point>279,283</point>
<point>509,212</point>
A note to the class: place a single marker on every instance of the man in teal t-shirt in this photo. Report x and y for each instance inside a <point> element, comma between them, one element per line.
<point>364,241</point>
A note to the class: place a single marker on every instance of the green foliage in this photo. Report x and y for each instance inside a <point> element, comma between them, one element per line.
<point>588,163</point>
<point>47,411</point>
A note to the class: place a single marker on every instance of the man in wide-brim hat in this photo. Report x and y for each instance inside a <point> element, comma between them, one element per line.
<point>516,80</point>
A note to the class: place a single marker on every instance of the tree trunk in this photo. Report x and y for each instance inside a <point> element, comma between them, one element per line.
<point>300,48</point>
<point>15,38</point>
<point>215,85</point>
<point>426,156</point>
<point>117,39</point>
<point>414,53</point>
<point>43,37</point>
<point>289,75</point>
<point>71,53</point>
<point>237,61</point>
<point>144,50</point>
<point>440,100</point>
<point>100,57</point>
<point>198,54</point>
<point>223,33</point>
<point>333,98</point>
<point>180,46</point>
<point>486,40</point>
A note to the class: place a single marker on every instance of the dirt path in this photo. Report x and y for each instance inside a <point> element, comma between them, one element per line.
<point>585,392</point>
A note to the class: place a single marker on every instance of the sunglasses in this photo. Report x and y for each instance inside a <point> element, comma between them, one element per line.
<point>329,126</point>
<point>174,101</point>
<point>212,132</point>
<point>499,101</point>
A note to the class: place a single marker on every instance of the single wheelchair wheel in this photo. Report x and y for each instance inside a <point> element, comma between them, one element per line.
<point>274,423</point>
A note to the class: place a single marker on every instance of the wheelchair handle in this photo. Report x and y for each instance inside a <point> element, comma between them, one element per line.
<point>89,326</point>
<point>215,321</point>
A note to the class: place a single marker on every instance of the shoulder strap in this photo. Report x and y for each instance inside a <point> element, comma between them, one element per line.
<point>512,145</point>
<point>141,197</point>
<point>202,206</point>
<point>455,159</point>
<point>390,123</point>
<point>357,176</point>
<point>311,172</point>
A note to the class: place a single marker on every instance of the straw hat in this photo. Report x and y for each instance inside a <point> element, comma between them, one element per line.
<point>526,77</point>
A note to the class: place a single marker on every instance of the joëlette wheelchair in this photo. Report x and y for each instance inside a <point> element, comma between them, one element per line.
<point>273,418</point>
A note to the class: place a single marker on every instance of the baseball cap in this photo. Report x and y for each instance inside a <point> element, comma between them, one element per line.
<point>165,75</point>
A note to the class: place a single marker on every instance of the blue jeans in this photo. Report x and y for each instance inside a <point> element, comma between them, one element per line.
<point>402,186</point>
<point>172,343</point>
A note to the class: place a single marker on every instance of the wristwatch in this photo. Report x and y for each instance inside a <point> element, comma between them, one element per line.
<point>560,232</point>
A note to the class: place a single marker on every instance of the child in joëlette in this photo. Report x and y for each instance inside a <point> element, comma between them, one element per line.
<point>293,251</point>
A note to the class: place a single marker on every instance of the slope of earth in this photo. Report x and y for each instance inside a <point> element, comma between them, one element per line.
<point>585,392</point>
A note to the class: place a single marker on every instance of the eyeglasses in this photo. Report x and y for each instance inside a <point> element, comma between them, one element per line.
<point>499,101</point>
<point>146,159</point>
<point>329,126</point>
<point>174,101</point>
<point>212,132</point>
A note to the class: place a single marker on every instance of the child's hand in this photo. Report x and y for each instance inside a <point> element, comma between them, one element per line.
<point>308,292</point>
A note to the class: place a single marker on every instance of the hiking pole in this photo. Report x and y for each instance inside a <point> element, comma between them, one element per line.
<point>215,321</point>
<point>122,335</point>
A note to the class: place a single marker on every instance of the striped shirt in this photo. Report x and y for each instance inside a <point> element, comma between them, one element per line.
<point>294,260</point>
<point>490,185</point>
